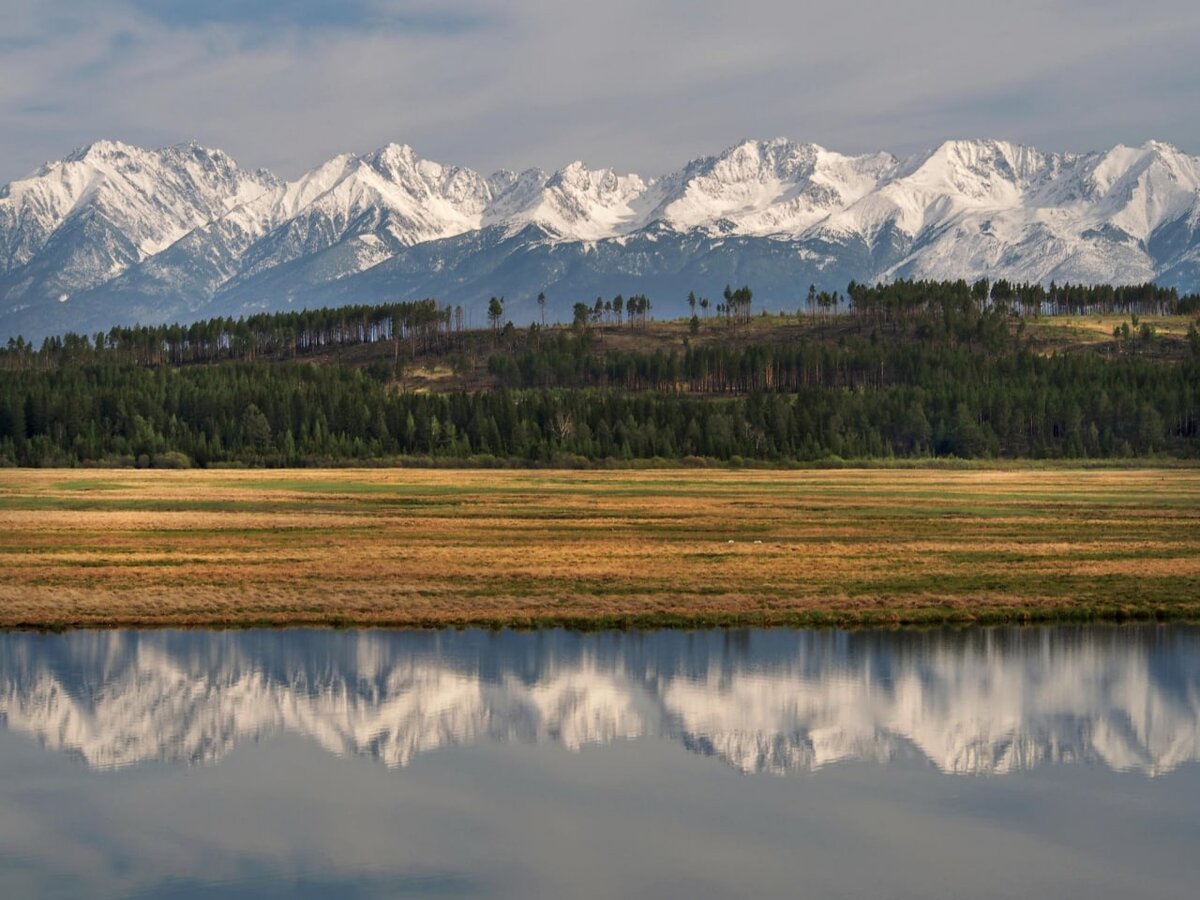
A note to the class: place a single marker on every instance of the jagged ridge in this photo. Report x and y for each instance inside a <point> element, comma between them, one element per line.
<point>114,233</point>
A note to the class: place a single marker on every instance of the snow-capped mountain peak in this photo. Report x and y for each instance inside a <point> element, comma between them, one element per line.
<point>121,231</point>
<point>80,222</point>
<point>771,187</point>
<point>578,203</point>
<point>1141,189</point>
<point>103,149</point>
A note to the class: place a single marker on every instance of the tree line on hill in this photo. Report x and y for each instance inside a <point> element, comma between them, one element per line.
<point>916,370</point>
<point>413,327</point>
<point>900,299</point>
<point>426,326</point>
<point>291,414</point>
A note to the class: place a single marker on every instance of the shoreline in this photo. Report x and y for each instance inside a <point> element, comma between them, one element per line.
<point>831,621</point>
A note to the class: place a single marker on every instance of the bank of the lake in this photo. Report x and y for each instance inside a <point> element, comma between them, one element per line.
<point>594,549</point>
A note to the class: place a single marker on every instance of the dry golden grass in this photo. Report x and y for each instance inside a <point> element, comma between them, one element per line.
<point>1102,325</point>
<point>411,547</point>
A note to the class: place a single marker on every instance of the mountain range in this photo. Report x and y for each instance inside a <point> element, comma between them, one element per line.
<point>117,234</point>
<point>986,702</point>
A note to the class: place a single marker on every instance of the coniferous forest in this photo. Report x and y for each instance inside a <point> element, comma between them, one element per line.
<point>904,370</point>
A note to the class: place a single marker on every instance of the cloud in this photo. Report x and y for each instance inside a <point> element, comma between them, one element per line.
<point>312,14</point>
<point>639,84</point>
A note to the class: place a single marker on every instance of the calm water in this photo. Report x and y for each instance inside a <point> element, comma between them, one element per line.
<point>987,763</point>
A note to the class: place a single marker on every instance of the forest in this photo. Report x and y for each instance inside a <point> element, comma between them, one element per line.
<point>903,370</point>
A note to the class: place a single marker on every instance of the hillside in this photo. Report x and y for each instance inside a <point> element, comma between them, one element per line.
<point>445,372</point>
<point>910,370</point>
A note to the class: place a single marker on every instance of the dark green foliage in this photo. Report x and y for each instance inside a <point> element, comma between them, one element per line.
<point>291,413</point>
<point>495,312</point>
<point>901,298</point>
<point>737,303</point>
<point>916,370</point>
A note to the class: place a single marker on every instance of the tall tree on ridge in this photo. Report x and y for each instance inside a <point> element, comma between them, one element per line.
<point>495,312</point>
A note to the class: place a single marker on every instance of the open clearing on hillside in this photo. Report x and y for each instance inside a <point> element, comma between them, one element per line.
<point>84,548</point>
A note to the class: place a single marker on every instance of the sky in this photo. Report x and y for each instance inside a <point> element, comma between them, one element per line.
<point>639,85</point>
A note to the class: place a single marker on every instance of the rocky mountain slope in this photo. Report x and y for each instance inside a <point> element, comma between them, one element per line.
<point>117,234</point>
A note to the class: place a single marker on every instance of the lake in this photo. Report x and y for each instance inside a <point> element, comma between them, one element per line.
<point>1006,762</point>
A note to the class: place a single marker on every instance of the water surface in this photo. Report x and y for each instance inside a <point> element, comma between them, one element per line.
<point>987,763</point>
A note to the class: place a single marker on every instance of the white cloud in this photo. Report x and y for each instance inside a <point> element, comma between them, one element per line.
<point>640,85</point>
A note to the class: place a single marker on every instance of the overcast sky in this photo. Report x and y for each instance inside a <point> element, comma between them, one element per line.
<point>642,85</point>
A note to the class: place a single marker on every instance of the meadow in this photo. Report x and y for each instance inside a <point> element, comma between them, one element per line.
<point>681,547</point>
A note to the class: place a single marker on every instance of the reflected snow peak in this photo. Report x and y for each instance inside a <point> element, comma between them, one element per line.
<point>982,701</point>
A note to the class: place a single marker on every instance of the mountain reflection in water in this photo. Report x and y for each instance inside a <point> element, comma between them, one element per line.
<point>974,701</point>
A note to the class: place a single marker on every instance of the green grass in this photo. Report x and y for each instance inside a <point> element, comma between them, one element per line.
<point>600,549</point>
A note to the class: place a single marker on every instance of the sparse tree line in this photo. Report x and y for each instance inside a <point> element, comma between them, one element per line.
<point>905,343</point>
<point>612,312</point>
<point>916,369</point>
<point>869,358</point>
<point>902,300</point>
<point>425,326</point>
<point>416,326</point>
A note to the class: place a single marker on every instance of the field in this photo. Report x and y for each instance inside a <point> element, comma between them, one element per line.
<point>84,548</point>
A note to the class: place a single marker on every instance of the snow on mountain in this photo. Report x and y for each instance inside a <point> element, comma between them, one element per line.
<point>977,706</point>
<point>958,178</point>
<point>110,205</point>
<point>998,209</point>
<point>1141,189</point>
<point>580,204</point>
<point>769,188</point>
<point>128,234</point>
<point>389,199</point>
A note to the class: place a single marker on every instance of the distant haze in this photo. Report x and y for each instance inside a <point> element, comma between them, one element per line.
<point>635,85</point>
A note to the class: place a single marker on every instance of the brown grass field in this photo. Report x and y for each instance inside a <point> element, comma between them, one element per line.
<point>596,549</point>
